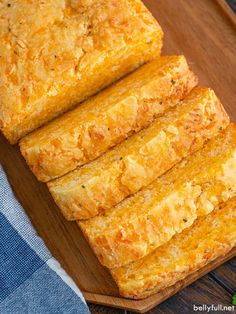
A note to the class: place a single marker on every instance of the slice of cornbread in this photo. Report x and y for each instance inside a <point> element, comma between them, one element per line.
<point>136,162</point>
<point>208,238</point>
<point>55,53</point>
<point>108,118</point>
<point>151,217</point>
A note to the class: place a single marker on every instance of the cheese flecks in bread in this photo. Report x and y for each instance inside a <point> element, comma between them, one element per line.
<point>108,118</point>
<point>55,53</point>
<point>151,217</point>
<point>136,162</point>
<point>207,239</point>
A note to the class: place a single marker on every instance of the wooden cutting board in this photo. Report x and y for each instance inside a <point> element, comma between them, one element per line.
<point>205,32</point>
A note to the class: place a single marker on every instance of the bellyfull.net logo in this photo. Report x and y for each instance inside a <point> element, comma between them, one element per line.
<point>214,308</point>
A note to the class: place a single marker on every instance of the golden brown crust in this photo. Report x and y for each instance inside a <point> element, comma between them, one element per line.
<point>56,53</point>
<point>108,118</point>
<point>148,219</point>
<point>135,163</point>
<point>208,238</point>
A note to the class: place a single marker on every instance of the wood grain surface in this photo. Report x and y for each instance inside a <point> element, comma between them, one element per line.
<point>204,31</point>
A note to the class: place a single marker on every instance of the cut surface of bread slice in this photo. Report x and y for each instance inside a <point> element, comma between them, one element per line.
<point>136,162</point>
<point>56,53</point>
<point>107,118</point>
<point>207,239</point>
<point>151,217</point>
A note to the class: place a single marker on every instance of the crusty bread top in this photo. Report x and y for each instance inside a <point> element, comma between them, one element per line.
<point>46,46</point>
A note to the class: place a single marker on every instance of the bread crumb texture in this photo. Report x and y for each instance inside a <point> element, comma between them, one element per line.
<point>207,239</point>
<point>136,162</point>
<point>151,217</point>
<point>108,118</point>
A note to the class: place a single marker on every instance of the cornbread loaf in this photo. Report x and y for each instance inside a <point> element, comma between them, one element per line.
<point>55,53</point>
<point>151,217</point>
<point>136,162</point>
<point>208,238</point>
<point>108,118</point>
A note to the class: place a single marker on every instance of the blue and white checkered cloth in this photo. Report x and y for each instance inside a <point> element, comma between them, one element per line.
<point>31,280</point>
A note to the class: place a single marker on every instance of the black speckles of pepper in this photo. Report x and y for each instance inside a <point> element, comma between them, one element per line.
<point>83,186</point>
<point>173,82</point>
<point>185,220</point>
<point>8,5</point>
